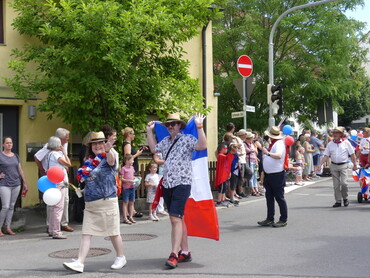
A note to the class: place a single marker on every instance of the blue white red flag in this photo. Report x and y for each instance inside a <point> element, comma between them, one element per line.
<point>353,142</point>
<point>200,212</point>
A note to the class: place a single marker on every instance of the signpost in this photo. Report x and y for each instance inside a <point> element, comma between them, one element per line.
<point>239,114</point>
<point>249,108</point>
<point>245,68</point>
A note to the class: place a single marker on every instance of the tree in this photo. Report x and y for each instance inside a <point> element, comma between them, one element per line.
<point>316,56</point>
<point>108,61</point>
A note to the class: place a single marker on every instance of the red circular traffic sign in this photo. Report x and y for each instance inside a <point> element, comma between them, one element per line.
<point>244,66</point>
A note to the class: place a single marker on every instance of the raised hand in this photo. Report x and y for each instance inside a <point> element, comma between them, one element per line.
<point>150,125</point>
<point>198,119</point>
<point>109,144</point>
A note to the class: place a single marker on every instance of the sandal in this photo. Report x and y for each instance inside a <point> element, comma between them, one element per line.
<point>126,221</point>
<point>131,220</point>
<point>138,214</point>
<point>9,232</point>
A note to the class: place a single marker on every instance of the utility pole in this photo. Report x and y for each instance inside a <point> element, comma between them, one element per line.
<point>271,49</point>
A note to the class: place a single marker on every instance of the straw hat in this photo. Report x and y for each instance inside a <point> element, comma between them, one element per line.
<point>274,133</point>
<point>249,135</point>
<point>241,132</point>
<point>175,117</point>
<point>367,129</point>
<point>97,137</point>
<point>339,129</point>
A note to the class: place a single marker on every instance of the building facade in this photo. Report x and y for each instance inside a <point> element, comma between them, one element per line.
<point>30,128</point>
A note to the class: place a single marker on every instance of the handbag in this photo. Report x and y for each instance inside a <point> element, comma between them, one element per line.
<point>159,191</point>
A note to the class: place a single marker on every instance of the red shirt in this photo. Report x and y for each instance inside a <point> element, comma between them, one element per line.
<point>223,168</point>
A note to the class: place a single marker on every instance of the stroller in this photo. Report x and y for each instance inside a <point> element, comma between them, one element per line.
<point>363,176</point>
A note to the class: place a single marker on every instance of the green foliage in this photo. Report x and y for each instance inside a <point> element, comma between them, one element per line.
<point>317,56</point>
<point>108,61</point>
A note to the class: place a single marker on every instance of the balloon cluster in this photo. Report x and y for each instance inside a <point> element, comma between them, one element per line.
<point>48,184</point>
<point>287,130</point>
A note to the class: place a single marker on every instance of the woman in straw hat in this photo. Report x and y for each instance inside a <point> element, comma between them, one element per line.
<point>101,217</point>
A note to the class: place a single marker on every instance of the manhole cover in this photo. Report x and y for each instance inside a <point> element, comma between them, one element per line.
<point>135,237</point>
<point>73,253</point>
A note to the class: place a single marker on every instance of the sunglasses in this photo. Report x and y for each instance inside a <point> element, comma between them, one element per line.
<point>171,124</point>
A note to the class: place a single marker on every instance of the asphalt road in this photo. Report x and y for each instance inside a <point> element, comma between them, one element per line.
<point>319,241</point>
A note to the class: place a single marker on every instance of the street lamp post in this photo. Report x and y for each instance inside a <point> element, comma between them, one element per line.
<point>271,47</point>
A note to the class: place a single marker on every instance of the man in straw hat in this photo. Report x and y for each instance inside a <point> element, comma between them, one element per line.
<point>177,152</point>
<point>339,149</point>
<point>274,181</point>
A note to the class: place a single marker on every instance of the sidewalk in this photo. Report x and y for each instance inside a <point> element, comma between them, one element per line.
<point>35,217</point>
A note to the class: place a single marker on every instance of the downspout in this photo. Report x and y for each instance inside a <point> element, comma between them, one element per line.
<point>204,71</point>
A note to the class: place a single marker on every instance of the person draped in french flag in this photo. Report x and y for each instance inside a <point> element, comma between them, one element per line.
<point>177,150</point>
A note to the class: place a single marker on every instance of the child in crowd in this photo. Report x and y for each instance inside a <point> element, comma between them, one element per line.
<point>128,190</point>
<point>223,171</point>
<point>234,174</point>
<point>299,163</point>
<point>151,182</point>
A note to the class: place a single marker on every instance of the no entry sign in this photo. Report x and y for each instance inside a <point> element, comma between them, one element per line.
<point>245,66</point>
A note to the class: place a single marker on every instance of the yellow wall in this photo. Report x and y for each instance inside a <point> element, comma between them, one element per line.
<point>194,55</point>
<point>37,130</point>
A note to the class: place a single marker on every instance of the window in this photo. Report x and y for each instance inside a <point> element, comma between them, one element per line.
<point>1,22</point>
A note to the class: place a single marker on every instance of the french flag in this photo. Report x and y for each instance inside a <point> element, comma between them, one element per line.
<point>200,213</point>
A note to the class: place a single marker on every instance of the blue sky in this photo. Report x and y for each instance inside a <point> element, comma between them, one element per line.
<point>362,14</point>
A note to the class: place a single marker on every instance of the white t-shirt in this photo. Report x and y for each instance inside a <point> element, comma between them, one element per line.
<point>365,145</point>
<point>339,153</point>
<point>116,156</point>
<point>241,151</point>
<point>272,165</point>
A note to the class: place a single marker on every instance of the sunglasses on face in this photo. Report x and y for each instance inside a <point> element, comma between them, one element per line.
<point>170,124</point>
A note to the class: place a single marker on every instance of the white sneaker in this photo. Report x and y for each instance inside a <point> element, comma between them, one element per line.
<point>119,262</point>
<point>75,265</point>
<point>163,212</point>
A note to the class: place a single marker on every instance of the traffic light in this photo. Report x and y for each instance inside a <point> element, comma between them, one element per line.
<point>277,99</point>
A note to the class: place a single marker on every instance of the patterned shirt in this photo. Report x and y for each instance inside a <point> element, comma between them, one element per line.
<point>177,167</point>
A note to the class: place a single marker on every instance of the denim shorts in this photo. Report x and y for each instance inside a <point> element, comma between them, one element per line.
<point>233,181</point>
<point>315,159</point>
<point>176,198</point>
<point>128,195</point>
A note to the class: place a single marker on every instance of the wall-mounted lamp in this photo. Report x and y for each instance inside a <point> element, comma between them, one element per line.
<point>216,94</point>
<point>32,112</point>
